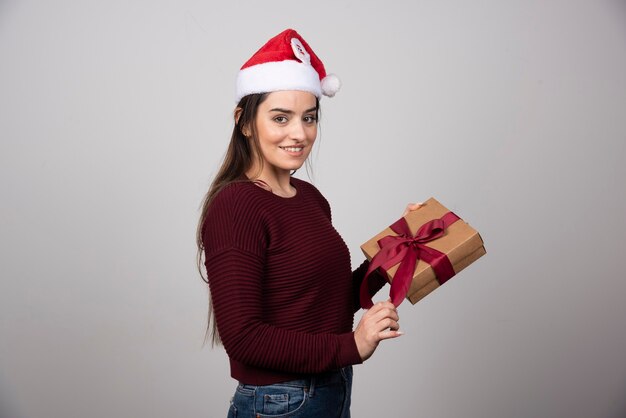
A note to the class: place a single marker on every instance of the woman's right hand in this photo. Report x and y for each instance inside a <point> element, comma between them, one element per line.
<point>378,323</point>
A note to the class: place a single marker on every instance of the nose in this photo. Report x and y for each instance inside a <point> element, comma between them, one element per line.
<point>298,131</point>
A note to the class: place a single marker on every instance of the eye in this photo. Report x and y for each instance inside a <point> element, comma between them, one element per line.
<point>280,119</point>
<point>310,119</point>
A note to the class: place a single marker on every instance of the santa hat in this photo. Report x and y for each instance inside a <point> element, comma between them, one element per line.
<point>286,62</point>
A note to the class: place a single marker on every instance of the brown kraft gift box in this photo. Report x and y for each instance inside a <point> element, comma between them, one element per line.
<point>461,243</point>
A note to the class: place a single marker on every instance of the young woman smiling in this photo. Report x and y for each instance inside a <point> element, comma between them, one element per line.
<point>286,128</point>
<point>283,294</point>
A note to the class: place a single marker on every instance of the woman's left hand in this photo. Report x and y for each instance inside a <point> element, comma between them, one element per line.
<point>411,207</point>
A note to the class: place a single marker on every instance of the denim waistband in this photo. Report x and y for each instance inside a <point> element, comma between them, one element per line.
<point>334,377</point>
<point>323,379</point>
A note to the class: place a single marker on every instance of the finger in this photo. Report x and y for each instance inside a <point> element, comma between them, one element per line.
<point>391,315</point>
<point>394,325</point>
<point>381,319</point>
<point>385,335</point>
<point>381,310</point>
<point>388,303</point>
<point>383,315</point>
<point>388,324</point>
<point>411,207</point>
<point>382,305</point>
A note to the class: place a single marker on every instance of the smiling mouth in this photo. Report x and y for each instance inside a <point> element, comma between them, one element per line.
<point>292,149</point>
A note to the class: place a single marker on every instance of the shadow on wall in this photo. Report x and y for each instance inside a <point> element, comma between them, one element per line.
<point>620,7</point>
<point>8,408</point>
<point>620,407</point>
<point>5,9</point>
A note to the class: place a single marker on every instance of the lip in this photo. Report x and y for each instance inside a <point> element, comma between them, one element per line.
<point>293,153</point>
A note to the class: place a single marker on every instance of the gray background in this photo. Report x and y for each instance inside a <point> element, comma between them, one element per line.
<point>114,116</point>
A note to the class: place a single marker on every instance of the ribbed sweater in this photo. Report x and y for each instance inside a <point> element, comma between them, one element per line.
<point>282,288</point>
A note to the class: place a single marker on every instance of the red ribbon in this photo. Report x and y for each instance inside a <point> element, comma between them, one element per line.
<point>406,248</point>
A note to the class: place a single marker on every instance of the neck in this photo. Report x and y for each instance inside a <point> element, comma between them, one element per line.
<point>278,180</point>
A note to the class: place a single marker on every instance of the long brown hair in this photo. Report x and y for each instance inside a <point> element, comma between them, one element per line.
<point>242,150</point>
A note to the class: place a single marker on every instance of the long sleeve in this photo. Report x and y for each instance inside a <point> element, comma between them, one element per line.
<point>237,295</point>
<point>280,282</point>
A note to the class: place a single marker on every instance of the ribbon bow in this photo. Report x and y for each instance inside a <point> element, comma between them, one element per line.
<point>406,248</point>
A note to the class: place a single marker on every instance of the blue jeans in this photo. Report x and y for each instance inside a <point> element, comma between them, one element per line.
<point>326,395</point>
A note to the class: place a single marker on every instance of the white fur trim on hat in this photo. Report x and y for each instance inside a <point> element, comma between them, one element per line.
<point>330,85</point>
<point>278,75</point>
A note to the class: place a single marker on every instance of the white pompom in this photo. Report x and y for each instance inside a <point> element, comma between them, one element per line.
<point>330,85</point>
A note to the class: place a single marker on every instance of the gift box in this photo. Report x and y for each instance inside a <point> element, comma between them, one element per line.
<point>420,252</point>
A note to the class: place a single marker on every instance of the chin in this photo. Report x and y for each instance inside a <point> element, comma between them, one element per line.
<point>294,167</point>
<point>288,164</point>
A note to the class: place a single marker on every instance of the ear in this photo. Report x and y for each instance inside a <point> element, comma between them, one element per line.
<point>244,130</point>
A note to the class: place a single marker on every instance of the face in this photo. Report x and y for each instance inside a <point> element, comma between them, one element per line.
<point>286,125</point>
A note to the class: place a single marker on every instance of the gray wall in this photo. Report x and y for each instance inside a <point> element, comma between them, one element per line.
<point>114,116</point>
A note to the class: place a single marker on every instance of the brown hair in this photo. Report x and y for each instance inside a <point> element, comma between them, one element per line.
<point>242,150</point>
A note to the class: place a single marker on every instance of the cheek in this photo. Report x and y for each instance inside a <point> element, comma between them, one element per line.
<point>273,136</point>
<point>268,138</point>
<point>312,133</point>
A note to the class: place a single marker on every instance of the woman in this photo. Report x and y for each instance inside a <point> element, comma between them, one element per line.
<point>279,274</point>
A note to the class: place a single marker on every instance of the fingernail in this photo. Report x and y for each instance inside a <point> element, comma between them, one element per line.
<point>399,332</point>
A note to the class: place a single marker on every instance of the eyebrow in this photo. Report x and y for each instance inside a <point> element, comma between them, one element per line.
<point>291,112</point>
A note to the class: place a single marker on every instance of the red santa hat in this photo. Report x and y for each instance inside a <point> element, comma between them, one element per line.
<point>286,62</point>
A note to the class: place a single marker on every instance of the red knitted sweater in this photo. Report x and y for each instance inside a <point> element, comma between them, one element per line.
<point>281,284</point>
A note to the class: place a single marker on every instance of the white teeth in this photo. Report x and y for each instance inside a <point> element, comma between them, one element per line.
<point>293,149</point>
